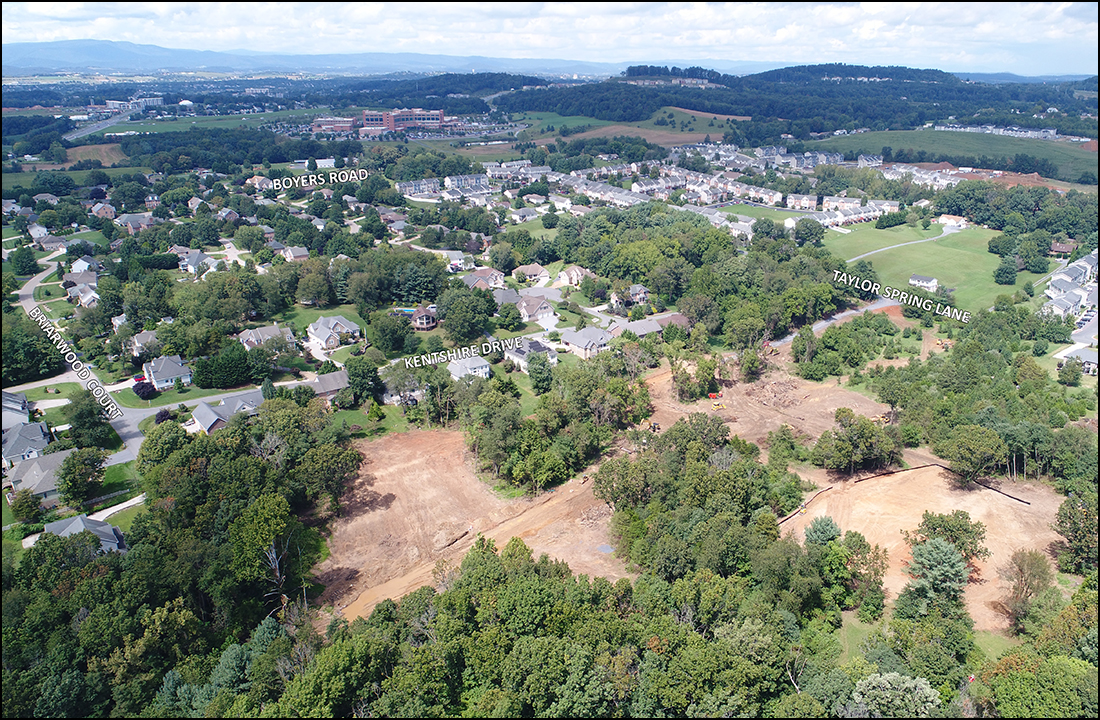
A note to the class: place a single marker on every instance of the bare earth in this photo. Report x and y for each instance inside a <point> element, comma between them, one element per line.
<point>881,508</point>
<point>418,501</point>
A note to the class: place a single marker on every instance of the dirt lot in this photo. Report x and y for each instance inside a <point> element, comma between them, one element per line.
<point>752,411</point>
<point>881,508</point>
<point>707,116</point>
<point>418,501</point>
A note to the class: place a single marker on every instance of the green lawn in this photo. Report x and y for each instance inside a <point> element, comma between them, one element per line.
<point>49,293</point>
<point>524,329</point>
<point>1070,158</point>
<point>528,401</point>
<point>124,520</point>
<point>8,518</point>
<point>394,422</point>
<point>127,398</point>
<point>852,635</point>
<point>756,211</point>
<point>961,261</point>
<point>302,317</point>
<point>994,644</point>
<point>93,236</point>
<point>123,476</point>
<point>865,237</point>
<point>39,393</point>
<point>58,309</point>
<point>10,180</point>
<point>220,121</point>
<point>536,230</point>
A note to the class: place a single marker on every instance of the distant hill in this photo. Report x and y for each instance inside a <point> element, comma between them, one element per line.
<point>106,56</point>
<point>996,78</point>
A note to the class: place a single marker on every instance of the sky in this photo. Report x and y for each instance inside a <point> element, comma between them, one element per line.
<point>1023,38</point>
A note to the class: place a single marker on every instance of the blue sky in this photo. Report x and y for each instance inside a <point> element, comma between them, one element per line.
<point>1024,38</point>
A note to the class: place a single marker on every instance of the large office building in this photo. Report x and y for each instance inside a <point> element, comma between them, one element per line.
<point>387,121</point>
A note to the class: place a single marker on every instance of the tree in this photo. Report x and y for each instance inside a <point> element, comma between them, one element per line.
<point>809,232</point>
<point>81,476</point>
<point>144,390</point>
<point>822,530</point>
<point>328,469</point>
<point>894,696</point>
<point>26,506</point>
<point>509,317</point>
<point>540,372</point>
<point>974,451</point>
<point>363,379</point>
<point>1029,573</point>
<point>267,389</point>
<point>968,536</point>
<point>502,257</point>
<point>90,425</point>
<point>160,442</point>
<point>1005,274</point>
<point>939,577</point>
<point>1070,372</point>
<point>23,261</point>
<point>1076,522</point>
<point>390,331</point>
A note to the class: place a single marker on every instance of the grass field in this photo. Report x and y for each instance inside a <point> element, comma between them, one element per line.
<point>8,518</point>
<point>46,293</point>
<point>26,178</point>
<point>220,121</point>
<point>1069,157</point>
<point>865,238</point>
<point>961,261</point>
<point>756,211</point>
<point>853,633</point>
<point>123,476</point>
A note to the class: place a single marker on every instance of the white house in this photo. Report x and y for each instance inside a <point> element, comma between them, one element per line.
<point>327,330</point>
<point>476,366</point>
<point>534,308</point>
<point>586,343</point>
<point>164,371</point>
<point>528,349</point>
<point>924,283</point>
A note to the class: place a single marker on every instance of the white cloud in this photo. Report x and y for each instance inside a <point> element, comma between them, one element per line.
<point>1027,38</point>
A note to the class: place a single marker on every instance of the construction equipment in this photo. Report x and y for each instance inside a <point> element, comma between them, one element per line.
<point>654,427</point>
<point>714,396</point>
<point>717,406</point>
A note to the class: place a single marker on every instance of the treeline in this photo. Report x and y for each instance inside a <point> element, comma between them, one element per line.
<point>219,548</point>
<point>1025,208</point>
<point>808,102</point>
<point>580,154</point>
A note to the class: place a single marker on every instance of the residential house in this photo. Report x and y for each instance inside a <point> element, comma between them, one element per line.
<point>328,330</point>
<point>507,296</point>
<point>16,409</point>
<point>104,211</point>
<point>37,232</point>
<point>295,253</point>
<point>39,475</point>
<point>1087,357</point>
<point>117,322</point>
<point>194,203</point>
<point>424,319</point>
<point>476,366</point>
<point>574,274</point>
<point>86,277</point>
<point>85,295</point>
<point>924,283</point>
<point>227,214</point>
<point>180,251</point>
<point>952,220</point>
<point>528,349</point>
<point>196,262</point>
<point>140,342</point>
<point>534,308</point>
<point>258,336</point>
<point>802,202</point>
<point>110,537</point>
<point>673,319</point>
<point>326,386</point>
<point>492,277</point>
<point>586,343</point>
<point>50,243</point>
<point>133,223</point>
<point>48,197</point>
<point>640,328</point>
<point>533,272</point>
<point>85,263</point>
<point>164,371</point>
<point>24,441</point>
<point>210,418</point>
<point>523,215</point>
<point>635,294</point>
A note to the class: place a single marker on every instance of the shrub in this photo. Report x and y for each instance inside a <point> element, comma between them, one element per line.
<point>163,416</point>
<point>145,390</point>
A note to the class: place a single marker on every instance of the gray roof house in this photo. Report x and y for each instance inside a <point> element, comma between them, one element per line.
<point>25,441</point>
<point>210,418</point>
<point>258,336</point>
<point>476,366</point>
<point>326,386</point>
<point>586,343</point>
<point>140,341</point>
<point>163,371</point>
<point>327,330</point>
<point>527,349</point>
<point>16,410</point>
<point>110,537</point>
<point>39,475</point>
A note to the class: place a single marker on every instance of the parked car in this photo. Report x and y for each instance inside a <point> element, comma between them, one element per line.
<point>139,378</point>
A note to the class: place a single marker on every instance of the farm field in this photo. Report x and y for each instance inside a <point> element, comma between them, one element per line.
<point>219,121</point>
<point>1070,158</point>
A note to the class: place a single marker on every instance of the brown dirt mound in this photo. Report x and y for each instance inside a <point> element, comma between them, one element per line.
<point>880,508</point>
<point>1090,146</point>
